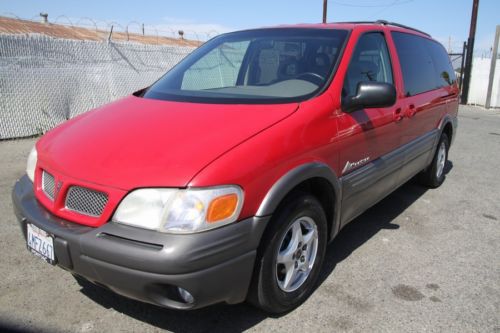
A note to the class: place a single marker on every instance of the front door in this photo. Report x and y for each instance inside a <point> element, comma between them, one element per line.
<point>368,136</point>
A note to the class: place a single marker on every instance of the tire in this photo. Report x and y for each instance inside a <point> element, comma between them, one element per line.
<point>434,175</point>
<point>286,274</point>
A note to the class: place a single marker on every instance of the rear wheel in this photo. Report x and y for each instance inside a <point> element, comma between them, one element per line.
<point>434,175</point>
<point>290,260</point>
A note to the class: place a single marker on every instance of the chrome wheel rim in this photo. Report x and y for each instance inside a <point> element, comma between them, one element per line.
<point>441,160</point>
<point>297,254</point>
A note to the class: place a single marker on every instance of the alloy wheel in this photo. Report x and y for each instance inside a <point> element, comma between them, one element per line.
<point>297,254</point>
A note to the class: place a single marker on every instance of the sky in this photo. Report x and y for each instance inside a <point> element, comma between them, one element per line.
<point>446,20</point>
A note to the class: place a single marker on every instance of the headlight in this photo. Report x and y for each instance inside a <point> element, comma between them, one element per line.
<point>31,165</point>
<point>180,211</point>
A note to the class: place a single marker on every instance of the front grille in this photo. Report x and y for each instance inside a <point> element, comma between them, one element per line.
<point>48,184</point>
<point>85,201</point>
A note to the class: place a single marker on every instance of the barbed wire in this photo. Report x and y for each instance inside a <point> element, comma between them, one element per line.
<point>105,29</point>
<point>78,23</point>
<point>56,21</point>
<point>12,15</point>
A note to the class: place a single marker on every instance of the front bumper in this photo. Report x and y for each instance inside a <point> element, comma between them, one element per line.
<point>214,266</point>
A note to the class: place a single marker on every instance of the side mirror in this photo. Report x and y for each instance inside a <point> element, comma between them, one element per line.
<point>371,95</point>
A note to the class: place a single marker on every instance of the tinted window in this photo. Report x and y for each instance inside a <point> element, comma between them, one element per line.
<point>416,62</point>
<point>442,64</point>
<point>370,62</point>
<point>254,66</point>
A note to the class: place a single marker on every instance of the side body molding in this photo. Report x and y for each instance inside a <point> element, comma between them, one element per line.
<point>296,176</point>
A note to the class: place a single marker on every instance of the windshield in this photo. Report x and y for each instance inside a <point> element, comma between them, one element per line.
<point>255,66</point>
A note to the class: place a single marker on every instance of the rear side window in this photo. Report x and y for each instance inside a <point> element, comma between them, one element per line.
<point>419,73</point>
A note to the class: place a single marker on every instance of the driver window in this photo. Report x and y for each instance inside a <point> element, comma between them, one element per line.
<point>370,62</point>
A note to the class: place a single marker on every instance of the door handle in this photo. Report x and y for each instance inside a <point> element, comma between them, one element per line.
<point>448,98</point>
<point>398,115</point>
<point>410,112</point>
<point>450,95</point>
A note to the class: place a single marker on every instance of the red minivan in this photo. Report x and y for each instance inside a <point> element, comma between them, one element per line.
<point>225,180</point>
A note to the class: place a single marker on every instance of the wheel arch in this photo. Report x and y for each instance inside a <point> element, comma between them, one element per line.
<point>448,126</point>
<point>315,178</point>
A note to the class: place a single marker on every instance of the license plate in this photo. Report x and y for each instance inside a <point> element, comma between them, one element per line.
<point>40,243</point>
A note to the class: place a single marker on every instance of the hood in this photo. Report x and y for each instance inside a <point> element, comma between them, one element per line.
<point>137,142</point>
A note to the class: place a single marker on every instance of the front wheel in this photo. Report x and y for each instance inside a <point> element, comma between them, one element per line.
<point>290,260</point>
<point>434,175</point>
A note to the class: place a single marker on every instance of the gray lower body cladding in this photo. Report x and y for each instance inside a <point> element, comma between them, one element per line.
<point>214,266</point>
<point>364,187</point>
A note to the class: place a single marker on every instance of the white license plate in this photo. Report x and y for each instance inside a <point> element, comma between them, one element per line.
<point>40,243</point>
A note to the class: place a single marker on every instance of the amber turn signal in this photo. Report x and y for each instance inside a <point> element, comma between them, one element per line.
<point>222,208</point>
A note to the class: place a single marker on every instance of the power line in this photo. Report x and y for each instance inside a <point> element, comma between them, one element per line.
<point>365,5</point>
<point>378,12</point>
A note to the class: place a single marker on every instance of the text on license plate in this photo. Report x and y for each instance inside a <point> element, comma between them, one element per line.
<point>40,243</point>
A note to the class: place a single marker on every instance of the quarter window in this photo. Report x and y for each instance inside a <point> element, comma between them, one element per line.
<point>442,64</point>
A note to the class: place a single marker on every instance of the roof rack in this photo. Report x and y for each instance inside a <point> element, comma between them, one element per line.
<point>384,22</point>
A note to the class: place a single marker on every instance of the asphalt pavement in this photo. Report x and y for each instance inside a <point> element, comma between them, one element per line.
<point>420,260</point>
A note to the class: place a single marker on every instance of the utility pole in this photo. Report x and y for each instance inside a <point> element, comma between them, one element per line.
<point>470,49</point>
<point>325,7</point>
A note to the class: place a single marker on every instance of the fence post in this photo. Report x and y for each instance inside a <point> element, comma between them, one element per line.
<point>462,65</point>
<point>494,57</point>
<point>110,33</point>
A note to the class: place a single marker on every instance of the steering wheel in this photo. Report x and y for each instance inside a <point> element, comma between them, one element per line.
<point>311,77</point>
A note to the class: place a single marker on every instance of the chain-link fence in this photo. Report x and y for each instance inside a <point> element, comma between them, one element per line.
<point>45,81</point>
<point>458,63</point>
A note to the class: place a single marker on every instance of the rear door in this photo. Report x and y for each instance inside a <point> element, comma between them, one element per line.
<point>428,80</point>
<point>368,135</point>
